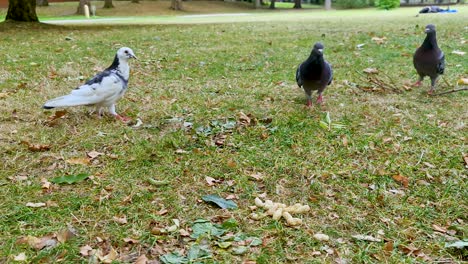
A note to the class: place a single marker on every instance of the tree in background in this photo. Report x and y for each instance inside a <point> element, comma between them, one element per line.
<point>22,11</point>
<point>136,1</point>
<point>176,4</point>
<point>272,4</point>
<point>327,4</point>
<point>42,2</point>
<point>297,4</point>
<point>80,9</point>
<point>387,4</point>
<point>108,4</point>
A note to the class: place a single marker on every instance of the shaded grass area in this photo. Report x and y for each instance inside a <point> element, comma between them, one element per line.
<point>205,75</point>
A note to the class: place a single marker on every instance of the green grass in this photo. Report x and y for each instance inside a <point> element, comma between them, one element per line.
<point>206,74</point>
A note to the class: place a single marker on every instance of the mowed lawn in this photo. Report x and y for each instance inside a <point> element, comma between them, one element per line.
<point>221,114</point>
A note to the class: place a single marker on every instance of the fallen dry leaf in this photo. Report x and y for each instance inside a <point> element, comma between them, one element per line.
<point>3,95</point>
<point>388,247</point>
<point>64,235</point>
<point>39,243</point>
<point>80,161</point>
<point>458,52</point>
<point>121,220</point>
<point>366,238</point>
<point>465,158</point>
<point>257,176</point>
<point>45,184</point>
<point>439,228</point>
<point>20,257</point>
<point>211,181</point>
<point>35,147</point>
<point>109,258</point>
<point>184,233</point>
<point>57,115</point>
<point>321,237</point>
<point>131,240</point>
<point>463,81</point>
<point>94,154</point>
<point>35,205</point>
<point>371,70</point>
<point>401,179</point>
<point>141,259</point>
<point>85,250</point>
<point>378,40</point>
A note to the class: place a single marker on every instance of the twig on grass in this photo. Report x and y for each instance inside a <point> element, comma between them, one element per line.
<point>452,91</point>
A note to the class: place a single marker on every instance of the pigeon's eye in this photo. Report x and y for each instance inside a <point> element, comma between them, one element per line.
<point>126,52</point>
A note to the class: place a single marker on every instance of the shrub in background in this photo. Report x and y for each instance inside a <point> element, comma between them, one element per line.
<point>352,3</point>
<point>387,4</point>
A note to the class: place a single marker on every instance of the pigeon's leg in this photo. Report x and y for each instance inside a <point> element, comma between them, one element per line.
<point>433,83</point>
<point>114,113</point>
<point>319,98</point>
<point>99,111</point>
<point>418,83</point>
<point>308,93</point>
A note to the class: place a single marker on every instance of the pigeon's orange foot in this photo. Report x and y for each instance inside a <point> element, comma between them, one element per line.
<point>431,91</point>
<point>123,118</point>
<point>417,84</point>
<point>319,99</point>
<point>309,103</point>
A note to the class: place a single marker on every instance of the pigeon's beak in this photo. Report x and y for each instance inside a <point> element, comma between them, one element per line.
<point>320,51</point>
<point>133,56</point>
<point>427,30</point>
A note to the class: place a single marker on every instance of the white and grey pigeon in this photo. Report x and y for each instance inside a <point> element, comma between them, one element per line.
<point>103,90</point>
<point>314,74</point>
<point>428,59</point>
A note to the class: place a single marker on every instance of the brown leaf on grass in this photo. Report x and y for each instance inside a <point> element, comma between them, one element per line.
<point>184,232</point>
<point>465,158</point>
<point>35,205</point>
<point>401,179</point>
<point>64,235</point>
<point>388,247</point>
<point>121,220</point>
<point>109,258</point>
<point>378,40</point>
<point>94,154</point>
<point>257,176</point>
<point>35,147</point>
<point>212,181</point>
<point>57,115</point>
<point>371,70</point>
<point>45,184</point>
<point>20,257</point>
<point>3,95</point>
<point>85,250</point>
<point>131,240</point>
<point>344,140</point>
<point>414,251</point>
<point>249,262</point>
<point>79,161</point>
<point>439,228</point>
<point>141,259</point>
<point>39,243</point>
<point>162,212</point>
<point>463,81</point>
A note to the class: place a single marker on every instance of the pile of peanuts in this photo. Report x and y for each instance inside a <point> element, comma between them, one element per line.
<point>278,210</point>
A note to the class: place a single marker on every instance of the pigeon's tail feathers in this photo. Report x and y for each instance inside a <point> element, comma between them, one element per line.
<point>67,101</point>
<point>441,65</point>
<point>299,80</point>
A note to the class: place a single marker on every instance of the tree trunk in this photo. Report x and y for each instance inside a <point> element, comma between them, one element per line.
<point>136,1</point>
<point>176,4</point>
<point>257,3</point>
<point>272,4</point>
<point>327,4</point>
<point>80,10</point>
<point>297,4</point>
<point>42,2</point>
<point>22,10</point>
<point>108,4</point>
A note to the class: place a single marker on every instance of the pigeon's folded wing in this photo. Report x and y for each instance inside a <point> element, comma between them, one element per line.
<point>89,94</point>
<point>299,79</point>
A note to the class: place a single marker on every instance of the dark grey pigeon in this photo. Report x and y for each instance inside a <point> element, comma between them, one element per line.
<point>428,59</point>
<point>314,74</point>
<point>103,90</point>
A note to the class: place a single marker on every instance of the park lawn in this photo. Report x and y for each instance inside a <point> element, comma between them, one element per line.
<point>220,101</point>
